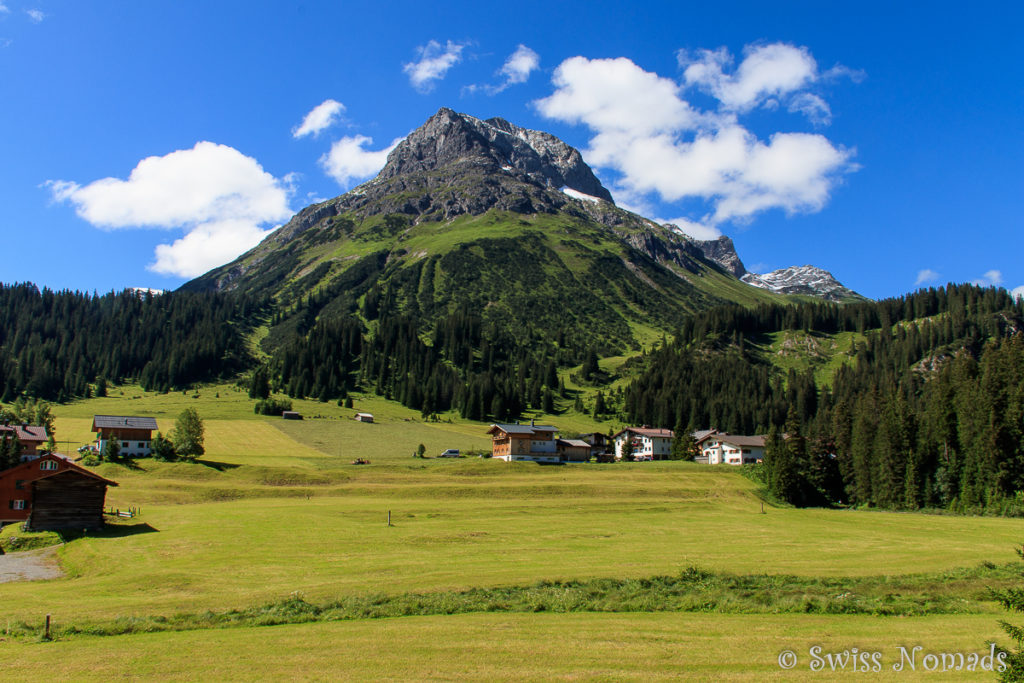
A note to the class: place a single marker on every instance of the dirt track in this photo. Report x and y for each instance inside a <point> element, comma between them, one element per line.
<point>30,565</point>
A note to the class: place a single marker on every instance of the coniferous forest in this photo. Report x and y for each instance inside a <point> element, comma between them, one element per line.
<point>926,409</point>
<point>62,345</point>
<point>927,412</point>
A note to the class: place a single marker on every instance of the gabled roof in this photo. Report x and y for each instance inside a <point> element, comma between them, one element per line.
<point>30,469</point>
<point>521,429</point>
<point>27,432</point>
<point>123,422</point>
<point>740,440</point>
<point>702,434</point>
<point>578,443</point>
<point>73,468</point>
<point>648,432</point>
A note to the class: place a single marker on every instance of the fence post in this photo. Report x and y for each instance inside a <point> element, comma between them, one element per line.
<point>47,635</point>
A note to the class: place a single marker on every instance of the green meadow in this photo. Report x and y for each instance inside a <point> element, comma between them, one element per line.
<point>502,571</point>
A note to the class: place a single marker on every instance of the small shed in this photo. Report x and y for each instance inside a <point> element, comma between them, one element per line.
<point>291,415</point>
<point>68,499</point>
<point>364,417</point>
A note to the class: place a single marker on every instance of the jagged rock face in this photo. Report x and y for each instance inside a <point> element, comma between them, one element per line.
<point>807,280</point>
<point>723,252</point>
<point>449,138</point>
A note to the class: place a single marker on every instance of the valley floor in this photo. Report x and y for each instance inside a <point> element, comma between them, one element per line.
<point>274,512</point>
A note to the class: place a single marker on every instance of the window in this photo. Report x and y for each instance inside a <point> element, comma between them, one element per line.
<point>124,444</point>
<point>17,505</point>
<point>48,465</point>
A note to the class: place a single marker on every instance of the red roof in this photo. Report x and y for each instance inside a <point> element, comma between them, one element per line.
<point>27,432</point>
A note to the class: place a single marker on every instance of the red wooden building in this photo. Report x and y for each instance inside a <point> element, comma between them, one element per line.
<point>52,492</point>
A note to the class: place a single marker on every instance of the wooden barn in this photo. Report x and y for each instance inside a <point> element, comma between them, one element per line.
<point>52,493</point>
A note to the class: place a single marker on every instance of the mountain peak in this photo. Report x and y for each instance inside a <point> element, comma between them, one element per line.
<point>807,280</point>
<point>449,138</point>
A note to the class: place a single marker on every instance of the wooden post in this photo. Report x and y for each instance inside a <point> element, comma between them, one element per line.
<point>389,517</point>
<point>762,507</point>
<point>47,635</point>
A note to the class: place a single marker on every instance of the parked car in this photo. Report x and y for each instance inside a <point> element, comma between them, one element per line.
<point>451,453</point>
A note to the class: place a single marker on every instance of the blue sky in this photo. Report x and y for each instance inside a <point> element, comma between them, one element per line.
<point>142,142</point>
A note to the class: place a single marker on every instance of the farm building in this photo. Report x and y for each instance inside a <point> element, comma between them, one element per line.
<point>291,415</point>
<point>31,437</point>
<point>648,444</point>
<point>573,450</point>
<point>364,417</point>
<point>52,492</point>
<point>133,434</point>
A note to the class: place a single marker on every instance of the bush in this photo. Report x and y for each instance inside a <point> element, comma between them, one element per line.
<point>91,460</point>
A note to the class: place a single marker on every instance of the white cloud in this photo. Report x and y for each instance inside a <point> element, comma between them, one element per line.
<point>4,9</point>
<point>659,143</point>
<point>925,276</point>
<point>992,278</point>
<point>519,65</point>
<point>348,161</point>
<point>321,117</point>
<point>1017,292</point>
<point>812,106</point>
<point>35,15</point>
<point>766,71</point>
<point>222,199</point>
<point>434,62</point>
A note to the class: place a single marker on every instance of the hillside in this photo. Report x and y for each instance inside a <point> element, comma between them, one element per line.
<point>494,218</point>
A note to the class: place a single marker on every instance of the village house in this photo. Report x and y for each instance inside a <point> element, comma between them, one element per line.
<point>648,444</point>
<point>731,449</point>
<point>532,442</point>
<point>31,437</point>
<point>134,435</point>
<point>364,417</point>
<point>50,493</point>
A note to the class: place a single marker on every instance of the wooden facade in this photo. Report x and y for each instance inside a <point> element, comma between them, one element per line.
<point>52,492</point>
<point>67,500</point>
<point>524,442</point>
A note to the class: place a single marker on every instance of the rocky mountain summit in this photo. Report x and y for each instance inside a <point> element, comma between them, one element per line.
<point>806,280</point>
<point>802,280</point>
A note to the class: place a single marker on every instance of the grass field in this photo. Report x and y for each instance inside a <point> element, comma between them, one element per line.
<point>276,509</point>
<point>517,647</point>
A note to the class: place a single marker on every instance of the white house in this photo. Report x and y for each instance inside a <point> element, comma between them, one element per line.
<point>648,444</point>
<point>731,449</point>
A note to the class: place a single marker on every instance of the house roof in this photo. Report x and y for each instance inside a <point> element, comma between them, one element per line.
<point>66,466</point>
<point>648,432</point>
<point>115,421</point>
<point>364,414</point>
<point>579,443</point>
<point>740,440</point>
<point>27,432</point>
<point>702,434</point>
<point>521,429</point>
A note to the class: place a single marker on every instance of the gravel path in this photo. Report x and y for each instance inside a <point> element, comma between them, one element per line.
<point>30,565</point>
